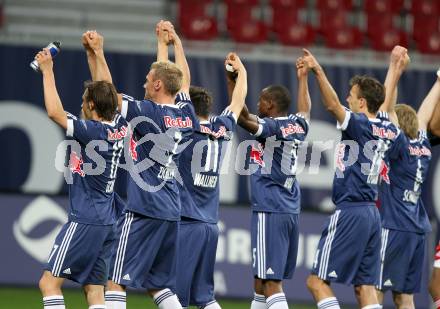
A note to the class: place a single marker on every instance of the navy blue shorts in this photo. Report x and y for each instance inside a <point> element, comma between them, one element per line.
<point>145,252</point>
<point>402,257</point>
<point>349,249</point>
<point>195,263</point>
<point>82,253</point>
<point>274,240</point>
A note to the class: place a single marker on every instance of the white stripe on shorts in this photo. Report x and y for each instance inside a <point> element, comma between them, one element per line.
<point>325,254</point>
<point>383,248</point>
<point>261,245</point>
<point>122,246</point>
<point>56,269</point>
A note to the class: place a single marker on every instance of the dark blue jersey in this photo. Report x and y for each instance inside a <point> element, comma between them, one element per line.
<point>93,166</point>
<point>403,173</point>
<point>359,156</point>
<point>200,165</point>
<point>160,133</point>
<point>274,187</point>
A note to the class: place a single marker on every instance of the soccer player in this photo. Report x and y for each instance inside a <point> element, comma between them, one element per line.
<point>275,191</point>
<point>145,255</point>
<point>405,223</point>
<point>434,127</point>
<point>200,164</point>
<point>348,251</point>
<point>82,249</point>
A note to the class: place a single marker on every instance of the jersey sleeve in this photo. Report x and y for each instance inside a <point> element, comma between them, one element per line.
<point>425,138</point>
<point>132,108</point>
<point>224,125</point>
<point>353,125</point>
<point>395,149</point>
<point>433,140</point>
<point>266,127</point>
<point>81,130</point>
<point>183,101</point>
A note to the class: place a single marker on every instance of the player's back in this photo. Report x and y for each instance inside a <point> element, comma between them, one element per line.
<point>91,192</point>
<point>274,187</point>
<point>404,171</point>
<point>160,132</point>
<point>359,156</point>
<point>200,165</point>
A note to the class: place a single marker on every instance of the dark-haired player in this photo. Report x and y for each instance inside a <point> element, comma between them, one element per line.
<point>199,166</point>
<point>349,249</point>
<point>275,193</point>
<point>82,249</point>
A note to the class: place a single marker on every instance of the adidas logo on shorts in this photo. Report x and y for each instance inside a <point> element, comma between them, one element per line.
<point>67,271</point>
<point>333,274</point>
<point>126,277</point>
<point>388,283</point>
<point>269,271</point>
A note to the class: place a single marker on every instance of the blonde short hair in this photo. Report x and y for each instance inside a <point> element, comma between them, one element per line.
<point>170,75</point>
<point>408,121</point>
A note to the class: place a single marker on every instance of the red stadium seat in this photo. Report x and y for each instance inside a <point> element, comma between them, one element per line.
<point>236,14</point>
<point>241,2</point>
<point>297,35</point>
<point>194,22</point>
<point>283,17</point>
<point>430,44</point>
<point>249,32</point>
<point>387,39</point>
<point>378,23</point>
<point>287,4</point>
<point>344,38</point>
<point>332,20</point>
<point>425,7</point>
<point>383,6</point>
<point>331,5</point>
<point>424,25</point>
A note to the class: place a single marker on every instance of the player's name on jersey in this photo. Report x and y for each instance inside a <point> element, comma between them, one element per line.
<point>166,173</point>
<point>205,181</point>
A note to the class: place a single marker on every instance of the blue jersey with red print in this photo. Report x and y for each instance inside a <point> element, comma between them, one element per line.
<point>359,156</point>
<point>274,187</point>
<point>94,168</point>
<point>160,133</point>
<point>200,165</point>
<point>404,171</point>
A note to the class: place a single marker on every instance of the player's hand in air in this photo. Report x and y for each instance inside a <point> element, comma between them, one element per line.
<point>233,60</point>
<point>310,61</point>
<point>163,32</point>
<point>301,68</point>
<point>94,40</point>
<point>399,58</point>
<point>173,37</point>
<point>44,59</point>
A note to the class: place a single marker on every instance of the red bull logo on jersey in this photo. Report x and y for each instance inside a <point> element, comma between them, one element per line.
<point>217,134</point>
<point>116,134</point>
<point>384,172</point>
<point>178,122</point>
<point>257,155</point>
<point>383,133</point>
<point>75,164</point>
<point>292,129</point>
<point>133,152</point>
<point>340,151</point>
<point>419,151</point>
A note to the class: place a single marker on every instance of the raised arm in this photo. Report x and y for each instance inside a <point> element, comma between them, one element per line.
<point>426,113</point>
<point>52,100</point>
<point>231,78</point>
<point>162,41</point>
<point>240,89</point>
<point>329,96</point>
<point>399,60</point>
<point>304,102</point>
<point>95,43</point>
<point>248,121</point>
<point>179,56</point>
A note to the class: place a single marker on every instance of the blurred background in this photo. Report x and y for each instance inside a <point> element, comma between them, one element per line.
<point>347,36</point>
